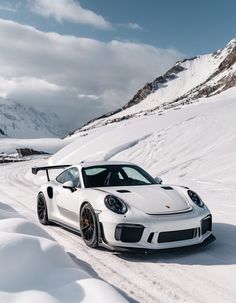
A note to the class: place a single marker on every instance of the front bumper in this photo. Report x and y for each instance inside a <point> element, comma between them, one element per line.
<point>159,232</point>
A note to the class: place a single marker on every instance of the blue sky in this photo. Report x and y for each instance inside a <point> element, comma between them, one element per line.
<point>83,58</point>
<point>192,27</point>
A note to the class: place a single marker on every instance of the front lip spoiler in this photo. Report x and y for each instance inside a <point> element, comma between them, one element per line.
<point>211,238</point>
<point>207,241</point>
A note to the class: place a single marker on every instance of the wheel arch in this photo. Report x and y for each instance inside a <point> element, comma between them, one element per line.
<point>96,221</point>
<point>43,191</point>
<point>42,208</point>
<point>40,192</point>
<point>44,195</point>
<point>82,204</point>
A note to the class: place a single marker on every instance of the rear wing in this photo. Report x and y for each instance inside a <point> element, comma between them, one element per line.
<point>36,169</point>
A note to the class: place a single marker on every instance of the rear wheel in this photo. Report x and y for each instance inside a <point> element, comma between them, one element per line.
<point>42,209</point>
<point>89,226</point>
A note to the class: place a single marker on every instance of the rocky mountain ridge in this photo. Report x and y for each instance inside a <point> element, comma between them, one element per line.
<point>186,82</point>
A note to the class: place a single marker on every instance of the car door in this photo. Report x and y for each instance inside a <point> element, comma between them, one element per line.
<point>67,200</point>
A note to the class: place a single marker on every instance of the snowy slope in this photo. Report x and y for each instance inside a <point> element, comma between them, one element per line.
<point>185,83</point>
<point>21,121</point>
<point>210,122</point>
<point>34,268</point>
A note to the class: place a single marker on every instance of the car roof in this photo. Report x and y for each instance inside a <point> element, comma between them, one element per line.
<point>102,163</point>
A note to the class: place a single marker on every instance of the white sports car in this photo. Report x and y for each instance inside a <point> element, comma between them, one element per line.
<point>118,204</point>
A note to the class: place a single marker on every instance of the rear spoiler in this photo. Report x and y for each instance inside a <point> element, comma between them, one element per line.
<point>36,169</point>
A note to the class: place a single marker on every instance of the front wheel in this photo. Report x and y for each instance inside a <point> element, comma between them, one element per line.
<point>89,226</point>
<point>42,210</point>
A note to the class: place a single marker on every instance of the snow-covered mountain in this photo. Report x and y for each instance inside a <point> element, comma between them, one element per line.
<point>197,93</point>
<point>21,121</point>
<point>184,83</point>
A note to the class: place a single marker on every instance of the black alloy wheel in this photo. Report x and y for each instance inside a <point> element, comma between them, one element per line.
<point>89,226</point>
<point>42,210</point>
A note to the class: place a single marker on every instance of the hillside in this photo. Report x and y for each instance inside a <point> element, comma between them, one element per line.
<point>202,133</point>
<point>194,93</point>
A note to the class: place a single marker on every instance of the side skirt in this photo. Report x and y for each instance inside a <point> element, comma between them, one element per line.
<point>101,242</point>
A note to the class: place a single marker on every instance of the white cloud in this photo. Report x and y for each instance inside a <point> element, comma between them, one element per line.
<point>79,78</point>
<point>68,10</point>
<point>89,97</point>
<point>134,26</point>
<point>130,25</point>
<point>6,6</point>
<point>23,85</point>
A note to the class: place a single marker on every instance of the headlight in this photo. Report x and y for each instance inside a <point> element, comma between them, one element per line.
<point>115,204</point>
<point>195,198</point>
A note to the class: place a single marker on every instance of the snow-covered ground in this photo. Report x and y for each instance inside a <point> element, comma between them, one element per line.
<point>194,146</point>
<point>35,268</point>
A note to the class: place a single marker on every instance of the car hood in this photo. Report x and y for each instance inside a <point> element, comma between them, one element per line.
<point>152,199</point>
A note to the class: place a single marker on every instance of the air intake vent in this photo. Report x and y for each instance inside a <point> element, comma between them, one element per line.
<point>123,191</point>
<point>150,237</point>
<point>167,187</point>
<point>178,235</point>
<point>206,224</point>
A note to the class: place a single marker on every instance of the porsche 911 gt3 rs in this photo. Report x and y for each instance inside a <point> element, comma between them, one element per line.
<point>118,204</point>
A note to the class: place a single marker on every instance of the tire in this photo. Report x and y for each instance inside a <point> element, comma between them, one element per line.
<point>42,209</point>
<point>89,226</point>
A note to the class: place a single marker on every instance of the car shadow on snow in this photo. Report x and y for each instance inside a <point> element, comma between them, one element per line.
<point>220,252</point>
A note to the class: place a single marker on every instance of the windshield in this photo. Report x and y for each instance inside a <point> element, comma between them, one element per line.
<point>116,175</point>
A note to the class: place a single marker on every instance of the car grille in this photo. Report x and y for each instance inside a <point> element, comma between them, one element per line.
<point>206,224</point>
<point>179,235</point>
<point>129,232</point>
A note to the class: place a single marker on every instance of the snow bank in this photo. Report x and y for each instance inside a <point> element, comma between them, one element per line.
<point>34,268</point>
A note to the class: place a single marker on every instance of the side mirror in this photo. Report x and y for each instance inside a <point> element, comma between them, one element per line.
<point>69,185</point>
<point>159,180</point>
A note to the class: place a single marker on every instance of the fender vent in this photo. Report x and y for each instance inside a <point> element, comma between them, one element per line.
<point>123,191</point>
<point>50,192</point>
<point>167,187</point>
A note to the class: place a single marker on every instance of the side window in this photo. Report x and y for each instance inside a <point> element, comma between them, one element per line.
<point>71,174</point>
<point>62,178</point>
